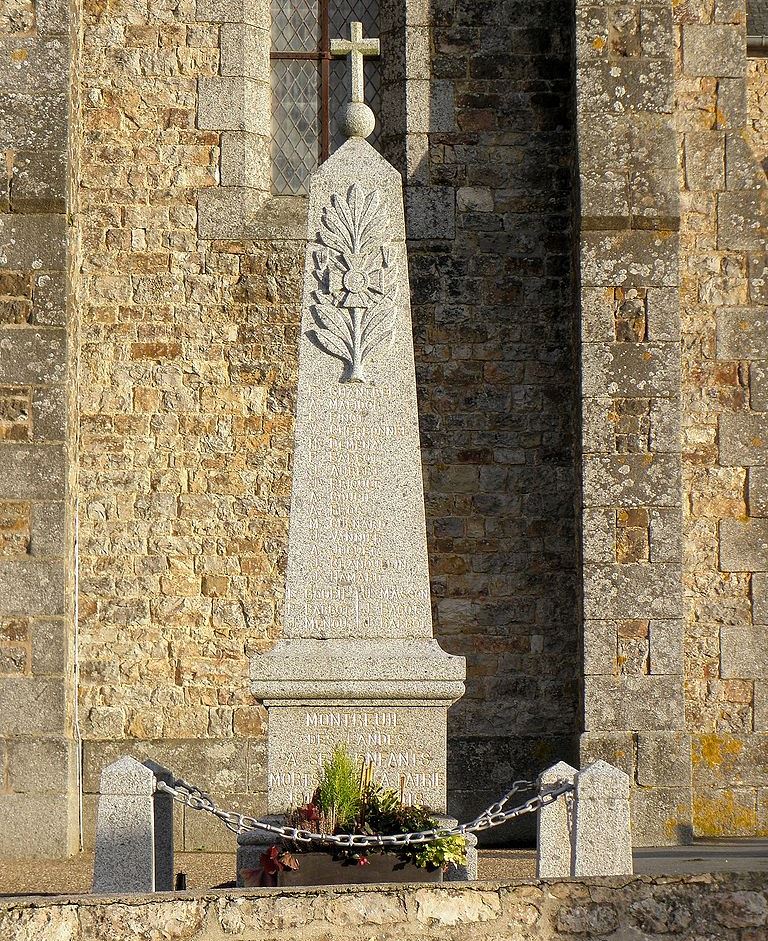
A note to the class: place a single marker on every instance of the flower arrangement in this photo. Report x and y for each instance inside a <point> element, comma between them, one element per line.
<point>348,800</point>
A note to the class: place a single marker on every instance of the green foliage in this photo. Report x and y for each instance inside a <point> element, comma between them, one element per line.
<point>347,800</point>
<point>338,793</point>
<point>442,852</point>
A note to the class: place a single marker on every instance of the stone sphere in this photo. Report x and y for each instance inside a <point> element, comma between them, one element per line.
<point>357,120</point>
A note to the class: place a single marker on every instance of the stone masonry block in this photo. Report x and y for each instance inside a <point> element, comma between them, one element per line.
<point>761,705</point>
<point>430,212</point>
<point>48,530</point>
<point>758,385</point>
<point>722,760</point>
<point>42,766</point>
<point>731,103</point>
<point>633,703</point>
<point>216,765</point>
<point>31,588</point>
<point>711,50</point>
<point>743,170</point>
<point>38,183</point>
<point>32,356</point>
<point>203,833</point>
<point>224,211</point>
<point>705,160</point>
<point>227,103</point>
<point>34,122</point>
<point>22,836</point>
<point>663,759</point>
<point>49,305</point>
<point>758,278</point>
<point>661,816</point>
<point>666,528</point>
<point>632,370</point>
<point>666,637</point>
<point>742,333</point>
<point>36,241</point>
<point>665,425</point>
<point>253,12</point>
<point>744,652</point>
<point>245,161</point>
<point>49,414</point>
<point>598,534</point>
<point>617,748</point>
<point>597,430</point>
<point>630,591</point>
<point>600,648</point>
<point>631,258</point>
<point>758,491</point>
<point>741,220</point>
<point>636,86</point>
<point>663,306</point>
<point>744,439</point>
<point>50,651</point>
<point>245,52</point>
<point>744,545</point>
<point>760,598</point>
<point>32,707</point>
<point>631,480</point>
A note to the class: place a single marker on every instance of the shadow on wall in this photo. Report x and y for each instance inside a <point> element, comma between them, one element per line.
<point>489,224</point>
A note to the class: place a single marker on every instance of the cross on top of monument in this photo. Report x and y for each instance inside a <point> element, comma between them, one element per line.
<point>357,119</point>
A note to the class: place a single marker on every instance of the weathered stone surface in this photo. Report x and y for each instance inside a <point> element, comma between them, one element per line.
<point>666,647</point>
<point>744,546</point>
<point>32,707</point>
<point>32,472</point>
<point>555,832</point>
<point>603,838</point>
<point>629,258</point>
<point>32,588</point>
<point>663,759</point>
<point>713,50</point>
<point>741,220</point>
<point>42,766</point>
<point>632,591</point>
<point>742,333</point>
<point>744,652</point>
<point>640,703</point>
<point>682,908</point>
<point>35,241</point>
<point>125,829</point>
<point>629,369</point>
<point>632,480</point>
<point>661,816</point>
<point>744,439</point>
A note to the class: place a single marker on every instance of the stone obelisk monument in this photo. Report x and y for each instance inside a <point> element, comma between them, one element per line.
<point>357,662</point>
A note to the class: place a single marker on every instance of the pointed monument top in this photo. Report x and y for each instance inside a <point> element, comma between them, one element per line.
<point>356,119</point>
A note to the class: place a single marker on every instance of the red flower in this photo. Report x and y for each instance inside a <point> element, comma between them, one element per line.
<point>363,861</point>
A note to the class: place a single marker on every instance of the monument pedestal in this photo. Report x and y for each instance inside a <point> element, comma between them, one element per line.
<point>386,700</point>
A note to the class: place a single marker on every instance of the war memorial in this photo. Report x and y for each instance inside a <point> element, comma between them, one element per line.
<point>385,376</point>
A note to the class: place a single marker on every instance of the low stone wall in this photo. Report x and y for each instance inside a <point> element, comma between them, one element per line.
<point>728,907</point>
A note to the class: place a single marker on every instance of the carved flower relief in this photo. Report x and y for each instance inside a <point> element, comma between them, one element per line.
<point>357,283</point>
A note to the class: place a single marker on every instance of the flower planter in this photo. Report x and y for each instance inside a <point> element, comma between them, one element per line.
<point>323,869</point>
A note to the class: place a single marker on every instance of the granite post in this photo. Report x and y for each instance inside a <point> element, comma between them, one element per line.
<point>603,837</point>
<point>134,830</point>
<point>357,663</point>
<point>554,826</point>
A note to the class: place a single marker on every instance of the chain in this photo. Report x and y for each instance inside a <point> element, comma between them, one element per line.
<point>493,816</point>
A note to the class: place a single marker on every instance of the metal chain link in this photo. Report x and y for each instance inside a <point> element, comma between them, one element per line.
<point>493,816</point>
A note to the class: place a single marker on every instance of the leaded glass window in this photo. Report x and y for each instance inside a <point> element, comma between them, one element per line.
<point>309,87</point>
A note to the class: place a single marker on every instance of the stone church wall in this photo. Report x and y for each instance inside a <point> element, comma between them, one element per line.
<point>38,763</point>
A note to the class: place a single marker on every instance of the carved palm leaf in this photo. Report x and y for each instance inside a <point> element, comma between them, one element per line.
<point>378,326</point>
<point>334,333</point>
<point>352,225</point>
